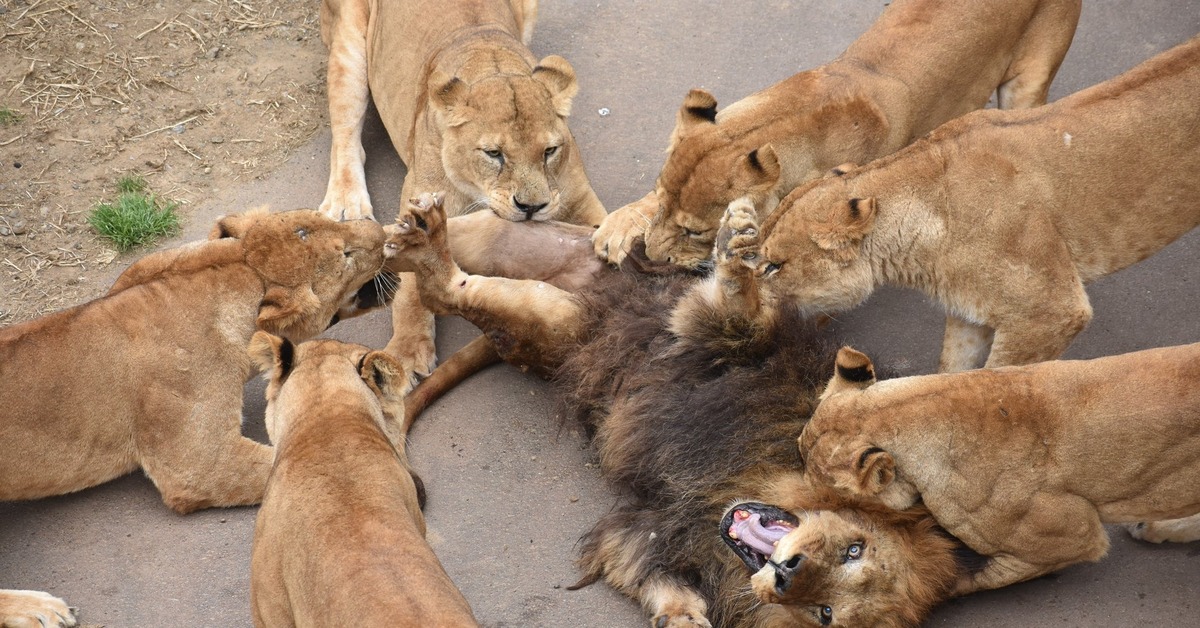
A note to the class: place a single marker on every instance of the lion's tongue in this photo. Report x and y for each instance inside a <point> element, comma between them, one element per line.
<point>752,532</point>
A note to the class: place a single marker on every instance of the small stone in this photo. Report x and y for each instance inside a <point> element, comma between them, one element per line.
<point>80,45</point>
<point>213,52</point>
<point>603,111</point>
<point>217,140</point>
<point>124,110</point>
<point>177,129</point>
<point>96,101</point>
<point>169,74</point>
<point>573,498</point>
<point>207,169</point>
<point>19,228</point>
<point>4,230</point>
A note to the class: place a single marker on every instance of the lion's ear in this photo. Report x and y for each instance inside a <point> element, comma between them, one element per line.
<point>762,165</point>
<point>236,225</point>
<point>852,370</point>
<point>282,308</point>
<point>874,468</point>
<point>449,99</point>
<point>272,353</point>
<point>699,107</point>
<point>841,169</point>
<point>847,225</point>
<point>384,375</point>
<point>557,75</point>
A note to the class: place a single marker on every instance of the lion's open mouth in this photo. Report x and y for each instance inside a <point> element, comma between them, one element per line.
<point>752,529</point>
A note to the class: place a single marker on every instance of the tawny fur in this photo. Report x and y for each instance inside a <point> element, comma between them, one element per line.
<point>922,63</point>
<point>34,609</point>
<point>1003,216</point>
<point>454,80</point>
<point>693,393</point>
<point>340,537</point>
<point>162,360</point>
<point>153,371</point>
<point>1023,464</point>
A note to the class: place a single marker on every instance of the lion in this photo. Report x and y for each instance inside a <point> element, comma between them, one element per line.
<point>157,365</point>
<point>922,63</point>
<point>693,391</point>
<point>1023,464</point>
<point>34,609</point>
<point>1002,216</point>
<point>469,109</point>
<point>365,561</point>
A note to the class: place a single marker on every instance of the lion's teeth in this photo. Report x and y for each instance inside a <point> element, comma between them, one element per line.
<point>733,533</point>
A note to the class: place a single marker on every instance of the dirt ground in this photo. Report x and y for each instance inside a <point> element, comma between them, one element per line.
<point>196,95</point>
<point>511,489</point>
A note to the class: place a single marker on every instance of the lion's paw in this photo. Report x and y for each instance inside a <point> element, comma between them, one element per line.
<point>738,237</point>
<point>1183,530</point>
<point>420,225</point>
<point>681,620</point>
<point>622,229</point>
<point>352,203</point>
<point>34,609</point>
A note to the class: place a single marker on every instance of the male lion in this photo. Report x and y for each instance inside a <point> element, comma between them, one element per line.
<point>340,538</point>
<point>468,108</point>
<point>693,390</point>
<point>922,63</point>
<point>1002,216</point>
<point>151,374</point>
<point>1023,464</point>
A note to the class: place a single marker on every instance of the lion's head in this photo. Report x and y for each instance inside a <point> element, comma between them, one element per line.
<point>506,143</point>
<point>314,270</point>
<point>812,248</point>
<point>844,567</point>
<point>706,170</point>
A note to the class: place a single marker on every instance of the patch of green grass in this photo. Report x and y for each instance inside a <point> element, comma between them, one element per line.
<point>8,116</point>
<point>137,217</point>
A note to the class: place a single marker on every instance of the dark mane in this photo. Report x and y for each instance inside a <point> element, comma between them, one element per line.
<point>685,425</point>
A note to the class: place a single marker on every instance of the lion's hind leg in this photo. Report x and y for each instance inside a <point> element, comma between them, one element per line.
<point>1185,530</point>
<point>346,197</point>
<point>1041,50</point>
<point>34,609</point>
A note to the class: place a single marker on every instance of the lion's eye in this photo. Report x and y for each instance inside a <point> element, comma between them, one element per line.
<point>692,234</point>
<point>347,252</point>
<point>551,151</point>
<point>303,233</point>
<point>855,551</point>
<point>495,154</point>
<point>825,615</point>
<point>771,269</point>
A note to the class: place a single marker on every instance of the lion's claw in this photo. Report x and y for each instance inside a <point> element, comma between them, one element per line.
<point>738,236</point>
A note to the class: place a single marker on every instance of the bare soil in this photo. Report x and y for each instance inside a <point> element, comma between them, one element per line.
<point>195,95</point>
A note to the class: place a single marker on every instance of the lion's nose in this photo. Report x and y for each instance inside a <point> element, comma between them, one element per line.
<point>785,572</point>
<point>530,209</point>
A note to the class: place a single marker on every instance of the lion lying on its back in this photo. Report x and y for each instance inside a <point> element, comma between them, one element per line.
<point>694,393</point>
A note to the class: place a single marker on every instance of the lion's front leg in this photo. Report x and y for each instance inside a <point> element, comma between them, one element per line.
<point>34,609</point>
<point>733,291</point>
<point>623,228</point>
<point>530,322</point>
<point>346,196</point>
<point>412,341</point>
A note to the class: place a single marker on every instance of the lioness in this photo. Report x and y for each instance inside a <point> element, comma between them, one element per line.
<point>341,486</point>
<point>922,63</point>
<point>468,108</point>
<point>1002,216</point>
<point>157,365</point>
<point>693,390</point>
<point>165,360</point>
<point>1023,464</point>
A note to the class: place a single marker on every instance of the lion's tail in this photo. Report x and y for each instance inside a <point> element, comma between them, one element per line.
<point>465,362</point>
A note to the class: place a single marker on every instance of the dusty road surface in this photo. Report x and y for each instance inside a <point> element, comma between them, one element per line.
<point>511,490</point>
